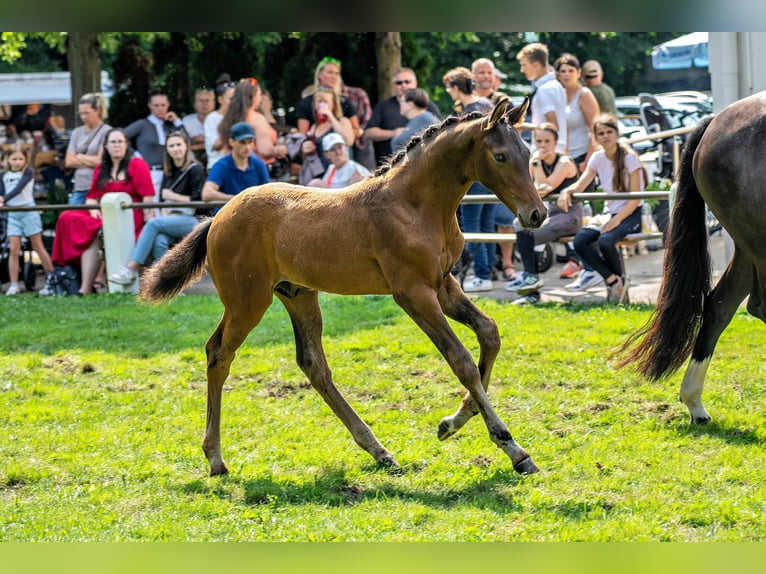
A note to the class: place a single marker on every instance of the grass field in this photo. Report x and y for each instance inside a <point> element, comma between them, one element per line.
<point>102,405</point>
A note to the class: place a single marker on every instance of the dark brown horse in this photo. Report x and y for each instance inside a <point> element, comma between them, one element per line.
<point>395,233</point>
<point>723,166</point>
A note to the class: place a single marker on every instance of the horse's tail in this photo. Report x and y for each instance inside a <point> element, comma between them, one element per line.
<point>179,267</point>
<point>670,333</point>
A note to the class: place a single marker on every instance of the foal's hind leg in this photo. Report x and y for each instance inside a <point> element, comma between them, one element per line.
<point>238,320</point>
<point>422,305</point>
<point>456,305</point>
<point>718,311</point>
<point>306,317</point>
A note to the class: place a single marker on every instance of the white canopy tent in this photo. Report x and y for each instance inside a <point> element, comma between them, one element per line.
<point>42,88</point>
<point>687,51</point>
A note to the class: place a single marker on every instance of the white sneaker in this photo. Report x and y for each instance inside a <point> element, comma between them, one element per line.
<point>48,288</point>
<point>13,289</point>
<point>477,284</point>
<point>586,280</point>
<point>125,276</point>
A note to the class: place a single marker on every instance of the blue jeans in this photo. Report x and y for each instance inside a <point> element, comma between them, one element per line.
<point>607,262</point>
<point>78,197</point>
<point>480,218</point>
<point>158,235</point>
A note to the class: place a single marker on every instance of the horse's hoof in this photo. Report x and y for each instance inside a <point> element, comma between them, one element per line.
<point>389,461</point>
<point>445,429</point>
<point>218,469</point>
<point>526,466</point>
<point>701,420</point>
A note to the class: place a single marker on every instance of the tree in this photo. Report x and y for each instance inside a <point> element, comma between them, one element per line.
<point>388,54</point>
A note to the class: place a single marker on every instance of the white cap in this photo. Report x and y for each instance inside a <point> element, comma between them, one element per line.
<point>331,140</point>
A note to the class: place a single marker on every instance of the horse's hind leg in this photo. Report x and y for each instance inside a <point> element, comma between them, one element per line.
<point>238,320</point>
<point>456,305</point>
<point>306,317</point>
<point>423,306</point>
<point>717,313</point>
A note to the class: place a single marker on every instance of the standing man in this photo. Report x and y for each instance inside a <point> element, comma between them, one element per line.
<point>387,121</point>
<point>194,124</point>
<point>237,170</point>
<point>150,134</point>
<point>594,79</point>
<point>485,74</point>
<point>549,99</point>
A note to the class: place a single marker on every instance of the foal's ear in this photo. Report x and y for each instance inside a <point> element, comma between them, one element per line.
<point>516,115</point>
<point>498,113</point>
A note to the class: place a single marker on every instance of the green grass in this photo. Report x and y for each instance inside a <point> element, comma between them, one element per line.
<point>102,405</point>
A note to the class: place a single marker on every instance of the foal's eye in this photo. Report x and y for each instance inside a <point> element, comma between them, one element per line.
<point>500,157</point>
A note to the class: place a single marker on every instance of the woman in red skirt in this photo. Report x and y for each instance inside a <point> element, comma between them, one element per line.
<point>77,241</point>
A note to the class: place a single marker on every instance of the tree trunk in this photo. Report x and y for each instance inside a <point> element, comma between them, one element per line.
<point>84,59</point>
<point>388,51</point>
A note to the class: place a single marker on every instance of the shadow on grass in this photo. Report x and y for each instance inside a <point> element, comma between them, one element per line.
<point>333,488</point>
<point>725,432</point>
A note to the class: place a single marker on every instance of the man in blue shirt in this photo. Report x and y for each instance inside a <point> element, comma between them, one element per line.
<point>238,170</point>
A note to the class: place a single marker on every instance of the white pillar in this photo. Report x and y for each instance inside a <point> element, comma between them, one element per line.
<point>119,237</point>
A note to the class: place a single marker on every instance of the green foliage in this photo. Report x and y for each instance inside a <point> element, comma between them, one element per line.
<point>102,406</point>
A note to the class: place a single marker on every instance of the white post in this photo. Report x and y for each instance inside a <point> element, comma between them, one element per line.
<point>119,237</point>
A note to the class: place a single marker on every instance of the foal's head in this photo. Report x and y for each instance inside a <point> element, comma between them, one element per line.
<point>502,163</point>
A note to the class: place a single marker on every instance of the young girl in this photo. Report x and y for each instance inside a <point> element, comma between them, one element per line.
<point>620,171</point>
<point>16,189</point>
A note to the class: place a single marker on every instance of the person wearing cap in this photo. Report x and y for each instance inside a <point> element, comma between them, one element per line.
<point>237,170</point>
<point>497,81</point>
<point>342,171</point>
<point>594,79</point>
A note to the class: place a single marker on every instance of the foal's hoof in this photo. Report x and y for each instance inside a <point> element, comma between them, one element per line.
<point>526,466</point>
<point>218,469</point>
<point>388,461</point>
<point>446,429</point>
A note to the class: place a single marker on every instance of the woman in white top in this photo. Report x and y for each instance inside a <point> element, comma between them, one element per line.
<point>581,111</point>
<point>620,171</point>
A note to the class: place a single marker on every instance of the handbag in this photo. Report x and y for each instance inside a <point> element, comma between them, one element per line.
<point>65,280</point>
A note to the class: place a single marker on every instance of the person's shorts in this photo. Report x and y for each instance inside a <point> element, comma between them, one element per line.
<point>503,216</point>
<point>24,223</point>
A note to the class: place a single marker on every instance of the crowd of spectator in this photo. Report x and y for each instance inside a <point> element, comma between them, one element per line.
<point>234,140</point>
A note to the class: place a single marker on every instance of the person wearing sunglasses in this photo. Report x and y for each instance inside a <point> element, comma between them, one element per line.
<point>326,75</point>
<point>387,120</point>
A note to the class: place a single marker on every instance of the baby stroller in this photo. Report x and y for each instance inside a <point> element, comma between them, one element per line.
<point>27,271</point>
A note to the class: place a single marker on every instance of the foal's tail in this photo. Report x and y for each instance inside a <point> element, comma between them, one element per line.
<point>179,267</point>
<point>671,331</point>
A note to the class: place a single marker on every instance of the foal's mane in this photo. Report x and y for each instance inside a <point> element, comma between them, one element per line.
<point>425,137</point>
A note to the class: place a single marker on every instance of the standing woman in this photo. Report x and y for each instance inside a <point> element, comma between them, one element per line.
<point>224,91</point>
<point>326,75</point>
<point>244,108</point>
<point>86,144</point>
<point>330,119</point>
<point>77,239</point>
<point>620,171</point>
<point>581,111</point>
<point>184,178</point>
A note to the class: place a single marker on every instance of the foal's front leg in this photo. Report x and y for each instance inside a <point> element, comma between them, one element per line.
<point>458,306</point>
<point>306,317</point>
<point>422,305</point>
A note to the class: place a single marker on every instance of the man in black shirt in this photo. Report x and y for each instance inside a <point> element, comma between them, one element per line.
<point>387,121</point>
